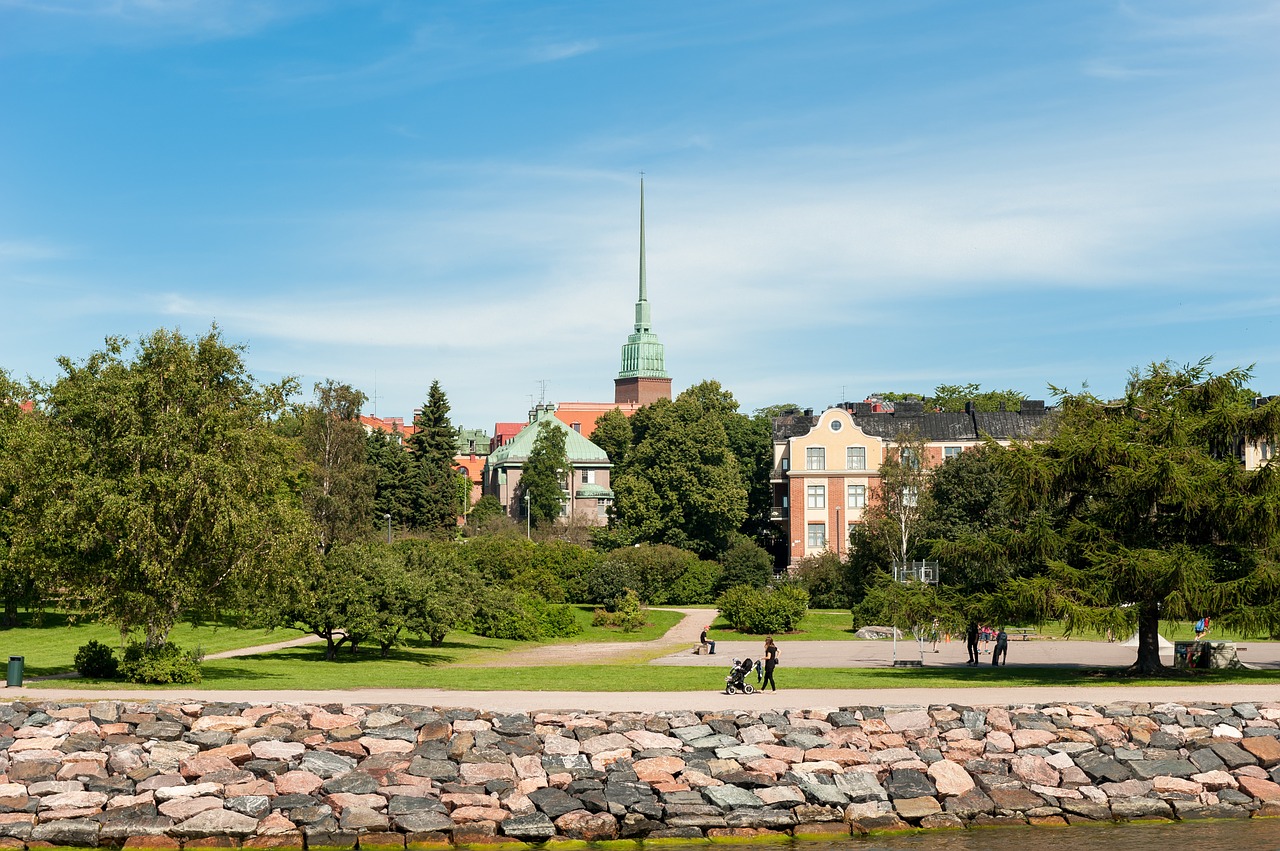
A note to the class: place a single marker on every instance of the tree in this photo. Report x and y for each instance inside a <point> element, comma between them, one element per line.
<point>952,397</point>
<point>341,492</point>
<point>680,483</point>
<point>435,504</point>
<point>20,493</point>
<point>901,498</point>
<point>613,435</point>
<point>544,474</point>
<point>397,485</point>
<point>745,563</point>
<point>172,491</point>
<point>1140,509</point>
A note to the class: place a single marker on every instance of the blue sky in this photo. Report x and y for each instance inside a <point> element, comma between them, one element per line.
<point>842,197</point>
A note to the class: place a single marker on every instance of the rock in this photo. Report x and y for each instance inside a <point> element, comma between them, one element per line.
<point>1140,808</point>
<point>82,833</point>
<point>588,827</point>
<point>950,778</point>
<point>914,809</point>
<point>554,802</point>
<point>1265,748</point>
<point>907,783</point>
<point>731,798</point>
<point>1263,790</point>
<point>325,764</point>
<point>424,822</point>
<point>535,827</point>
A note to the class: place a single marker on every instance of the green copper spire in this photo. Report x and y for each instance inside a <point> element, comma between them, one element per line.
<point>642,355</point>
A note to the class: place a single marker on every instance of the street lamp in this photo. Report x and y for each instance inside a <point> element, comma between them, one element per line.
<point>527,534</point>
<point>387,517</point>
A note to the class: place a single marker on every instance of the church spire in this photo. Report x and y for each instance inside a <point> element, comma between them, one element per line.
<point>643,358</point>
<point>643,319</point>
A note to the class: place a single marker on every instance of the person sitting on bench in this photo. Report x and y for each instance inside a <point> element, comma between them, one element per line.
<point>711,645</point>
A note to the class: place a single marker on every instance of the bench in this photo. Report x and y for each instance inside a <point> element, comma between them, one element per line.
<point>1023,632</point>
<point>702,650</point>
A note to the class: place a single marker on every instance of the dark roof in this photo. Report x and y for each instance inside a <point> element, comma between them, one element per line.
<point>939,426</point>
<point>792,425</point>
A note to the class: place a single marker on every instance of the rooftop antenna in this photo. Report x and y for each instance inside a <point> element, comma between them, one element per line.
<point>375,394</point>
<point>542,398</point>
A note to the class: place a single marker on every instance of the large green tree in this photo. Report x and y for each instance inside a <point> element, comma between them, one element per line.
<point>613,435</point>
<point>1139,509</point>
<point>171,490</point>
<point>544,475</point>
<point>681,483</point>
<point>20,493</point>
<point>341,488</point>
<point>433,445</point>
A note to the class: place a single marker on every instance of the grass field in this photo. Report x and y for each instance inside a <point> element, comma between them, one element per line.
<point>418,666</point>
<point>51,648</point>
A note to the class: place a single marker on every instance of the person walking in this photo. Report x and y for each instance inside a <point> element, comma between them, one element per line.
<point>935,633</point>
<point>770,662</point>
<point>971,642</point>
<point>1001,653</point>
<point>711,645</point>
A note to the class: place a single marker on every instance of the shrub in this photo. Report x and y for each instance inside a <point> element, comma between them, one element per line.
<point>629,615</point>
<point>746,563</point>
<point>758,611</point>
<point>167,663</point>
<point>696,585</point>
<point>524,617</point>
<point>97,660</point>
<point>826,579</point>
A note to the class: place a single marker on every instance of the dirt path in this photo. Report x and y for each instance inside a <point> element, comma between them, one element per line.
<point>685,632</point>
<point>265,648</point>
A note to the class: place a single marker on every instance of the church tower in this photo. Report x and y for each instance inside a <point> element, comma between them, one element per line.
<point>643,377</point>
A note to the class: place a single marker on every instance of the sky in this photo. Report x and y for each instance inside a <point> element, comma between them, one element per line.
<point>841,197</point>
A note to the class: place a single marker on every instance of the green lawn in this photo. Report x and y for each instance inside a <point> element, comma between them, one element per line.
<point>51,648</point>
<point>419,666</point>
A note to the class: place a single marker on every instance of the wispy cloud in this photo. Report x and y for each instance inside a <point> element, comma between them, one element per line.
<point>57,24</point>
<point>568,50</point>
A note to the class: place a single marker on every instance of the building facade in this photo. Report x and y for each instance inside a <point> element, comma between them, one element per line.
<point>587,494</point>
<point>826,468</point>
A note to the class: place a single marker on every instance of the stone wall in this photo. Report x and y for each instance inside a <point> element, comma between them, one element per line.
<point>217,775</point>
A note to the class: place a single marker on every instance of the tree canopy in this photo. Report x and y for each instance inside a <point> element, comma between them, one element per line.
<point>172,490</point>
<point>680,483</point>
<point>544,475</point>
<point>340,491</point>
<point>434,507</point>
<point>1139,509</point>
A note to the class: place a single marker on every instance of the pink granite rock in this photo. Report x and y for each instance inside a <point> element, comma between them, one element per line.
<point>297,783</point>
<point>1030,768</point>
<point>466,814</point>
<point>1263,790</point>
<point>480,773</point>
<point>950,778</point>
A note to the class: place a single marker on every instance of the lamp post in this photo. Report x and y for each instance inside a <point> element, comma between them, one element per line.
<point>387,517</point>
<point>528,534</point>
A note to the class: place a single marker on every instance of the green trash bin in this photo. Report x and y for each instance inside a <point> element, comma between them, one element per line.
<point>15,671</point>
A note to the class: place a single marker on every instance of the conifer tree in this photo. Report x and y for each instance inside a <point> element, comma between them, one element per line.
<point>433,445</point>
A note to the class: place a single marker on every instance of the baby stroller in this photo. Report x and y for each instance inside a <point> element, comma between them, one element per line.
<point>735,682</point>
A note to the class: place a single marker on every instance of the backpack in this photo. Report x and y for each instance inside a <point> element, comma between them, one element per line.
<point>1200,625</point>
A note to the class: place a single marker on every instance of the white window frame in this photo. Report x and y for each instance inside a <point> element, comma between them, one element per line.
<point>815,496</point>
<point>857,496</point>
<point>951,452</point>
<point>815,457</point>
<point>855,458</point>
<point>816,535</point>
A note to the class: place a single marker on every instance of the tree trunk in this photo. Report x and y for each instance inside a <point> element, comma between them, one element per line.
<point>10,612</point>
<point>1149,639</point>
<point>331,649</point>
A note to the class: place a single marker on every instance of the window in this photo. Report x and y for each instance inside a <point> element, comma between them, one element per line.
<point>836,425</point>
<point>856,458</point>
<point>910,497</point>
<point>909,458</point>
<point>815,458</point>
<point>857,496</point>
<point>817,496</point>
<point>1266,450</point>
<point>951,452</point>
<point>786,464</point>
<point>602,507</point>
<point>577,427</point>
<point>586,477</point>
<point>817,535</point>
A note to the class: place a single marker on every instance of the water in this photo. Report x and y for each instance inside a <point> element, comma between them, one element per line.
<point>1227,835</point>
